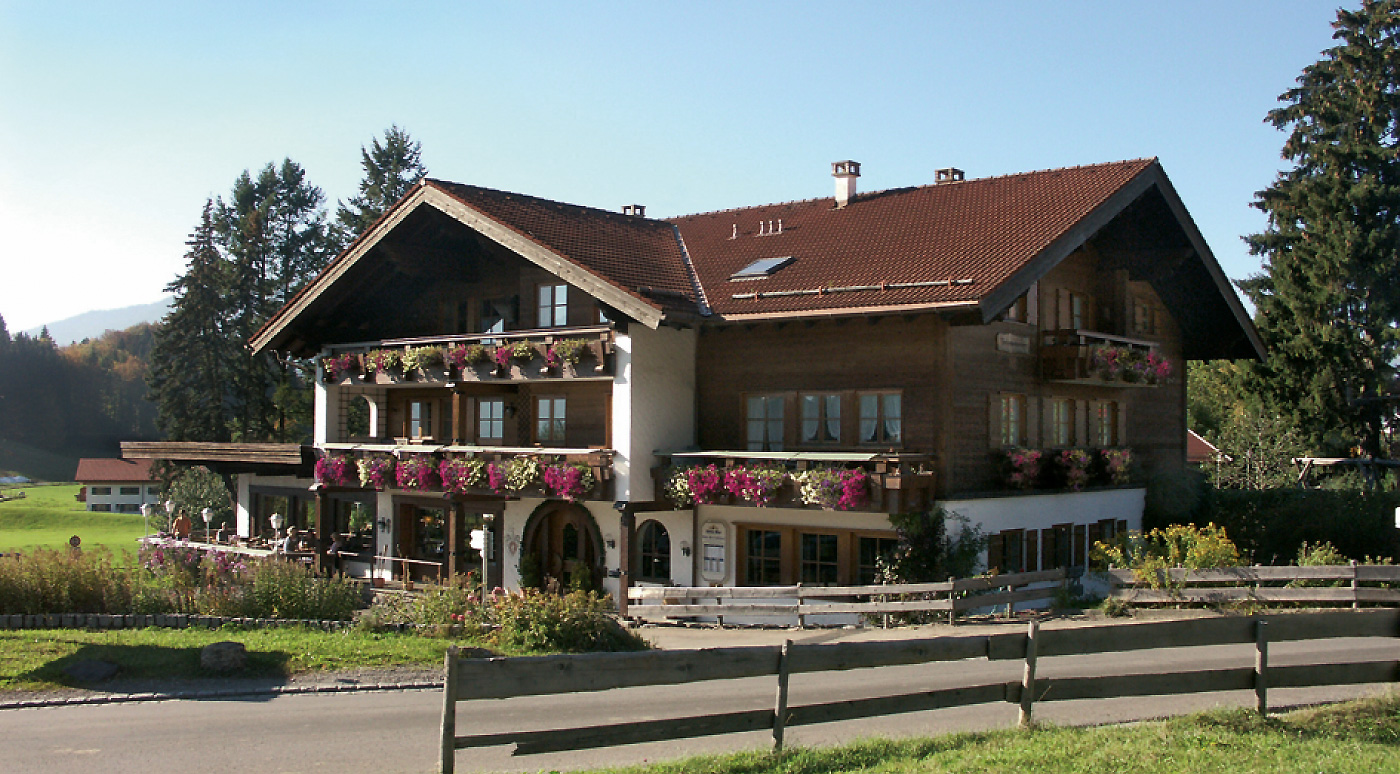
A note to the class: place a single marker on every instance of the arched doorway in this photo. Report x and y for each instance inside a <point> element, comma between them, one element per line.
<point>563,543</point>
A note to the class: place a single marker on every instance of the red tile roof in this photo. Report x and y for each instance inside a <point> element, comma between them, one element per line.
<point>964,239</point>
<point>637,255</point>
<point>102,469</point>
<point>1198,449</point>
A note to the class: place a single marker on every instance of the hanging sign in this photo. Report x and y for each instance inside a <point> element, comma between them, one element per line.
<point>714,537</point>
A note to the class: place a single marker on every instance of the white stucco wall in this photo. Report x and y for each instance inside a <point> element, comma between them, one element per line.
<point>327,409</point>
<point>653,403</point>
<point>730,515</point>
<point>116,502</point>
<point>1042,511</point>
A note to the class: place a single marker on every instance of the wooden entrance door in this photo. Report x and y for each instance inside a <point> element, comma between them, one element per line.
<point>565,538</point>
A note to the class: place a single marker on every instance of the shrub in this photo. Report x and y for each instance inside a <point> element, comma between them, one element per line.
<point>1271,525</point>
<point>1150,555</point>
<point>577,622</point>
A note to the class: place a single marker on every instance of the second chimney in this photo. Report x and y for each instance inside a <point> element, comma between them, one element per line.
<point>845,173</point>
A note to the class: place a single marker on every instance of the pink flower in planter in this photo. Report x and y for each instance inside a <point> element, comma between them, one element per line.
<point>502,357</point>
<point>705,483</point>
<point>1075,465</point>
<point>855,490</point>
<point>495,477</point>
<point>417,472</point>
<point>1024,467</point>
<point>570,481</point>
<point>334,470</point>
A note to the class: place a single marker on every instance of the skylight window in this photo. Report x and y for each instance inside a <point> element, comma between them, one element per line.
<point>763,267</point>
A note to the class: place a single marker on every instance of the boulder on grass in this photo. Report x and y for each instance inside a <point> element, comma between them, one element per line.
<point>223,656</point>
<point>91,670</point>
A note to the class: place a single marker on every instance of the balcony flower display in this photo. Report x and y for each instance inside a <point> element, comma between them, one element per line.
<point>570,480</point>
<point>340,366</point>
<point>383,360</point>
<point>460,474</point>
<point>417,471</point>
<point>376,470</point>
<point>834,488</point>
<point>1073,465</point>
<point>464,355</point>
<point>1023,467</point>
<point>568,350</point>
<point>1106,363</point>
<point>1117,464</point>
<point>1158,368</point>
<point>754,484</point>
<point>705,484</point>
<point>521,472</point>
<point>335,470</point>
<point>677,488</point>
<point>422,358</point>
<point>496,477</point>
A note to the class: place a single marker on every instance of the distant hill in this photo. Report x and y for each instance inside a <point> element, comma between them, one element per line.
<point>90,325</point>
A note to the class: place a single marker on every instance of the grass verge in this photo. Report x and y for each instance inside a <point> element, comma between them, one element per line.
<point>1361,737</point>
<point>33,660</point>
<point>48,515</point>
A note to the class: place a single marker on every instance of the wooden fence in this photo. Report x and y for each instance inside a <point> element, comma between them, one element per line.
<point>498,678</point>
<point>952,597</point>
<point>1340,585</point>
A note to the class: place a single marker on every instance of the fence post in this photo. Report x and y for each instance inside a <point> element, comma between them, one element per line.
<point>449,711</point>
<point>1261,665</point>
<point>1028,676</point>
<point>801,619</point>
<point>1355,603</point>
<point>781,703</point>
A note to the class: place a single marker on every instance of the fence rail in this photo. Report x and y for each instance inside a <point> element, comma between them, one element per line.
<point>952,597</point>
<point>498,678</point>
<point>1260,583</point>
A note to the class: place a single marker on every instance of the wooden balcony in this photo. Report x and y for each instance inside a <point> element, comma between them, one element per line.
<point>598,461</point>
<point>475,358</point>
<point>1068,357</point>
<point>897,483</point>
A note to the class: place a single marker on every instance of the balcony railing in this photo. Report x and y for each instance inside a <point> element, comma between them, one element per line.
<point>853,481</point>
<point>1088,357</point>
<point>553,353</point>
<point>482,471</point>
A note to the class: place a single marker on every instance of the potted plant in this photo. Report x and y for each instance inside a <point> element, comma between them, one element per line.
<point>1023,467</point>
<point>342,366</point>
<point>464,356</point>
<point>388,362</point>
<point>569,480</point>
<point>417,471</point>
<point>833,488</point>
<point>564,352</point>
<point>1074,468</point>
<point>425,360</point>
<point>460,474</point>
<point>335,470</point>
<point>757,484</point>
<point>375,470</point>
<point>521,472</point>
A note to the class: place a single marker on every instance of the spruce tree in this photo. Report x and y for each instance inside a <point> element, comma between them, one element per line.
<point>193,353</point>
<point>1328,301</point>
<point>391,168</point>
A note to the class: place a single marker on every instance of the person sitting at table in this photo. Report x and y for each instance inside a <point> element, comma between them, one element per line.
<point>181,527</point>
<point>333,554</point>
<point>290,544</point>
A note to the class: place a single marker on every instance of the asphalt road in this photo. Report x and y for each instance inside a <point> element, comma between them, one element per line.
<point>397,732</point>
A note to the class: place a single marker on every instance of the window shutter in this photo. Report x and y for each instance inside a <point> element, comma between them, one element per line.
<point>1032,554</point>
<point>1122,424</point>
<point>1050,547</point>
<point>1091,423</point>
<point>995,552</point>
<point>1065,318</point>
<point>1033,304</point>
<point>994,421</point>
<point>1081,423</point>
<point>1033,435</point>
<point>1046,419</point>
<point>1080,543</point>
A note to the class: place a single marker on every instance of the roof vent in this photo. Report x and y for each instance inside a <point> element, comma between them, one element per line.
<point>845,173</point>
<point>948,175</point>
<point>635,210</point>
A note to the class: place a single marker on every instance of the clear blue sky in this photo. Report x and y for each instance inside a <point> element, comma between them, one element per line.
<point>117,120</point>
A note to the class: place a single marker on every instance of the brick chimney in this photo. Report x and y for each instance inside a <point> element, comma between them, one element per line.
<point>845,173</point>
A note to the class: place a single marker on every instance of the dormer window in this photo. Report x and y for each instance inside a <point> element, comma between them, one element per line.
<point>554,306</point>
<point>763,267</point>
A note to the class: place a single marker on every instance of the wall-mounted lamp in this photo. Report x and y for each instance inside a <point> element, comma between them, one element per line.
<point>614,573</point>
<point>383,522</point>
<point>685,548</point>
<point>620,506</point>
<point>611,541</point>
<point>510,411</point>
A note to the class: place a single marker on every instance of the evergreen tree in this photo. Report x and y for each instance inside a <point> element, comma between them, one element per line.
<point>391,168</point>
<point>193,356</point>
<point>1328,300</point>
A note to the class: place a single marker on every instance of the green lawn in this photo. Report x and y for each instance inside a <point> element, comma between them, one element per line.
<point>1353,738</point>
<point>49,515</point>
<point>34,659</point>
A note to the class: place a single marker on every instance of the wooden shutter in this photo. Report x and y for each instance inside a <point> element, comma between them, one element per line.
<point>1031,560</point>
<point>1050,546</point>
<point>1081,423</point>
<point>1032,422</point>
<point>1080,545</point>
<point>1122,438</point>
<point>1033,305</point>
<point>994,421</point>
<point>996,552</point>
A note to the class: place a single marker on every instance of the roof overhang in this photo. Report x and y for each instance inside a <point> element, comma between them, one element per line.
<point>275,332</point>
<point>263,458</point>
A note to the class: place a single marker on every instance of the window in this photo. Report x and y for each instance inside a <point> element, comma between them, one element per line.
<point>765,422</point>
<point>1017,311</point>
<point>549,419</point>
<point>101,508</point>
<point>1106,423</point>
<point>420,419</point>
<point>497,315</point>
<point>763,267</point>
<point>129,490</point>
<point>1008,550</point>
<point>1013,420</point>
<point>1061,422</point>
<point>654,546</point>
<point>1078,307</point>
<point>821,418</point>
<point>554,306</point>
<point>152,490</point>
<point>490,419</point>
<point>872,549</point>
<point>100,490</point>
<point>820,563</point>
<point>763,563</point>
<point>881,418</point>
